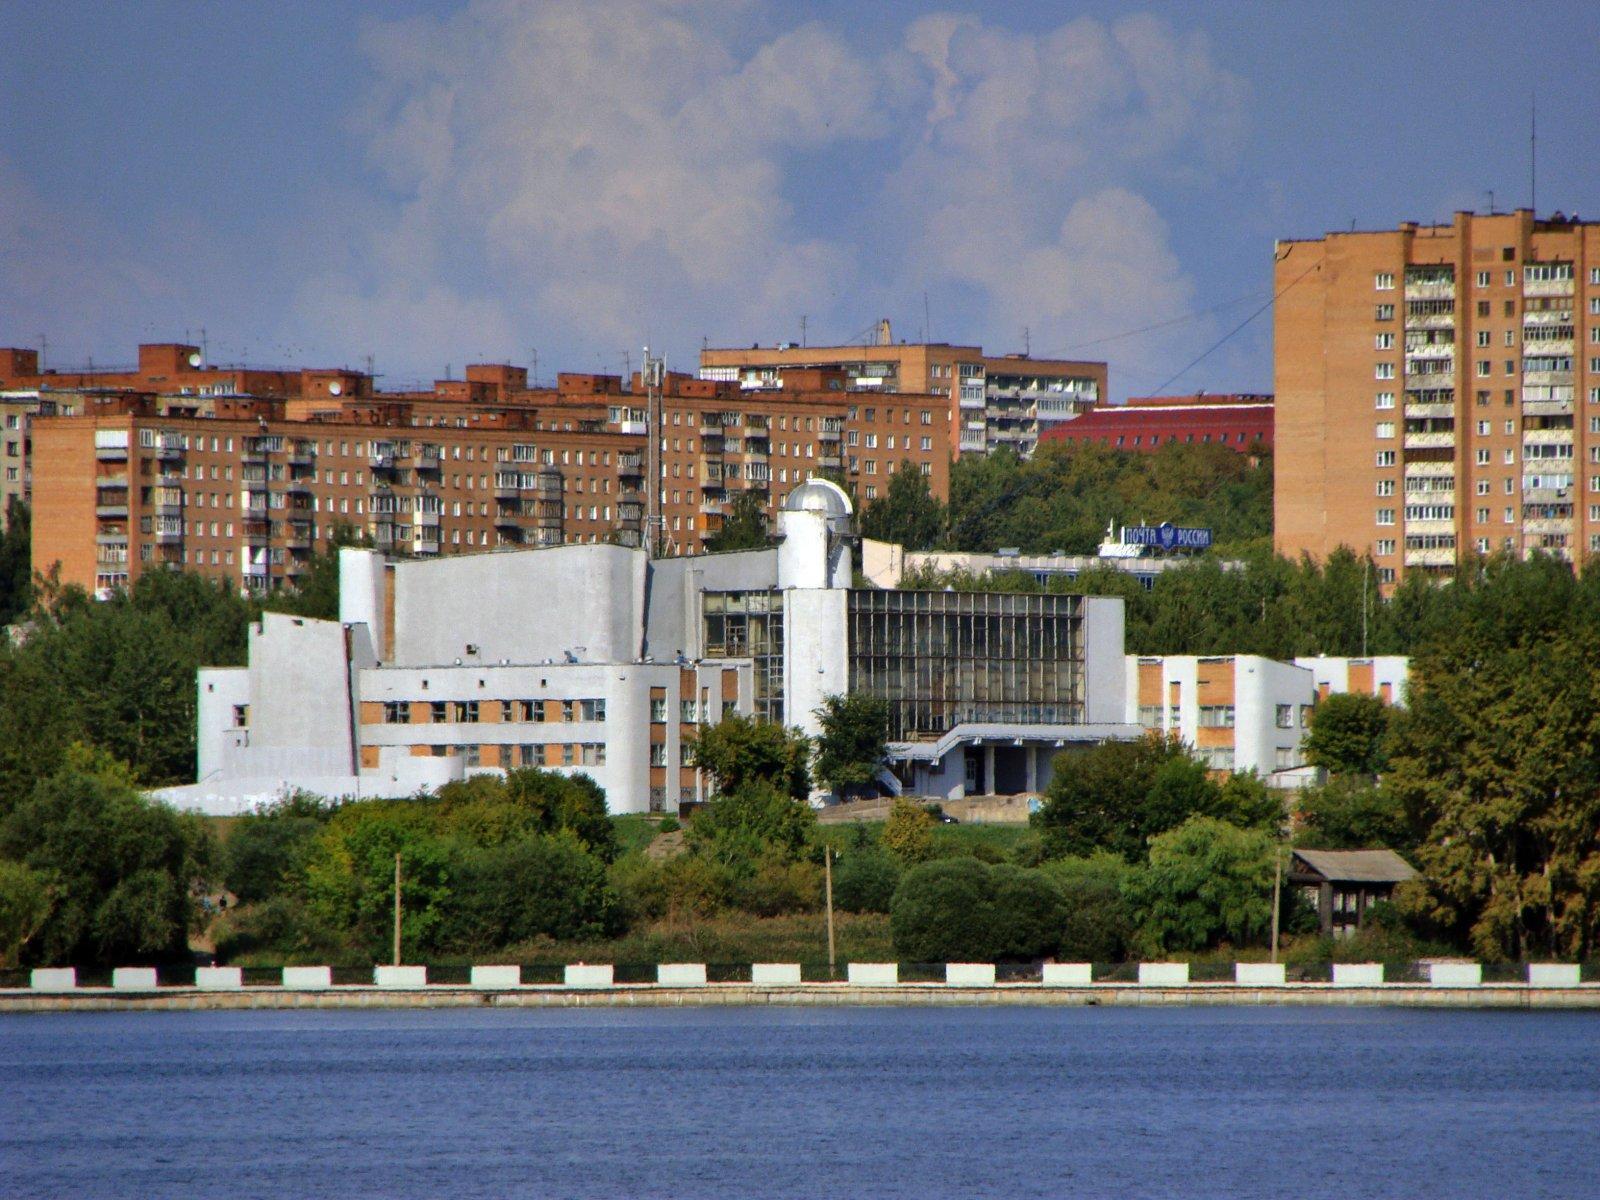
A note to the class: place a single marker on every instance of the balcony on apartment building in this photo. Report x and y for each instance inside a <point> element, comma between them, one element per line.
<point>303,453</point>
<point>1540,288</point>
<point>428,458</point>
<point>1425,284</point>
<point>298,535</point>
<point>111,504</point>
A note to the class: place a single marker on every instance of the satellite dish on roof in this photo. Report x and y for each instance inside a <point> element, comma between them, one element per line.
<point>335,388</point>
<point>194,359</point>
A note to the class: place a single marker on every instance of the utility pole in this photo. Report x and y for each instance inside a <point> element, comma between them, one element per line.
<point>653,371</point>
<point>397,908</point>
<point>827,877</point>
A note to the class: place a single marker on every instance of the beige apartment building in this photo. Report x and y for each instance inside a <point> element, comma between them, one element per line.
<point>1438,392</point>
<point>987,401</point>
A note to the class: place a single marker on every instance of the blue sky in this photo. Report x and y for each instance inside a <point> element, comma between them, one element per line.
<point>435,183</point>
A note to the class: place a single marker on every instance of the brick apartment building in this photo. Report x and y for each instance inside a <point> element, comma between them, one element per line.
<point>1438,392</point>
<point>986,401</point>
<point>248,488</point>
<point>1239,422</point>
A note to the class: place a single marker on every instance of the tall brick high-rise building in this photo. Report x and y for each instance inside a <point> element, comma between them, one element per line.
<point>1438,392</point>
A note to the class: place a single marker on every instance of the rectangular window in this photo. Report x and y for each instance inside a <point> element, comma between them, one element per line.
<point>658,709</point>
<point>1385,400</point>
<point>1216,716</point>
<point>1384,341</point>
<point>1483,458</point>
<point>396,712</point>
<point>467,712</point>
<point>1383,281</point>
<point>1384,429</point>
<point>1285,716</point>
<point>1384,371</point>
<point>1385,487</point>
<point>1483,337</point>
<point>439,712</point>
<point>1385,312</point>
<point>1386,458</point>
<point>1386,516</point>
<point>658,754</point>
<point>1385,546</point>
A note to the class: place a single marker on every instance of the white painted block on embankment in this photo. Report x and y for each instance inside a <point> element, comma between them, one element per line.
<point>218,979</point>
<point>1455,974</point>
<point>775,974</point>
<point>308,979</point>
<point>400,977</point>
<point>874,974</point>
<point>1259,974</point>
<point>1554,975</point>
<point>489,977</point>
<point>681,974</point>
<point>1068,974</point>
<point>585,975</point>
<point>53,979</point>
<point>1163,974</point>
<point>134,979</point>
<point>969,974</point>
<point>1357,974</point>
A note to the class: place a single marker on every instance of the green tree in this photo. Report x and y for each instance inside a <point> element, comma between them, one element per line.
<point>1206,881</point>
<point>1348,734</point>
<point>756,820</point>
<point>865,876</point>
<point>908,833</point>
<point>25,903</point>
<point>539,886</point>
<point>907,513</point>
<point>1349,814</point>
<point>16,562</point>
<point>1118,795</point>
<point>745,527</point>
<point>267,849</point>
<point>853,743</point>
<point>316,592</point>
<point>123,870</point>
<point>526,800</point>
<point>740,750</point>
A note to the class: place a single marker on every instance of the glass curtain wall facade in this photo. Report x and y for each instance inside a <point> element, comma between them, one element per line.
<point>749,625</point>
<point>944,658</point>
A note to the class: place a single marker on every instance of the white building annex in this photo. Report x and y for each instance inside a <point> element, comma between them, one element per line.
<point>598,659</point>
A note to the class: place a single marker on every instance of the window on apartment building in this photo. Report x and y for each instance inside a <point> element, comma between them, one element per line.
<point>1285,716</point>
<point>1482,516</point>
<point>1386,458</point>
<point>1383,281</point>
<point>467,712</point>
<point>1384,429</point>
<point>1483,399</point>
<point>688,712</point>
<point>1385,312</point>
<point>396,712</point>
<point>1385,546</point>
<point>1510,456</point>
<point>439,712</point>
<point>1594,306</point>
<point>1510,308</point>
<point>1483,337</point>
<point>1385,400</point>
<point>1510,516</point>
<point>1511,366</point>
<point>926,469</point>
<point>1385,487</point>
<point>1483,368</point>
<point>1511,337</point>
<point>1483,429</point>
<point>872,491</point>
<point>1384,370</point>
<point>927,443</point>
<point>1483,308</point>
<point>1510,486</point>
<point>1386,516</point>
<point>926,417</point>
<point>658,754</point>
<point>1386,575</point>
<point>1483,279</point>
<point>1384,341</point>
<point>1483,458</point>
<point>241,716</point>
<point>593,710</point>
<point>658,708</point>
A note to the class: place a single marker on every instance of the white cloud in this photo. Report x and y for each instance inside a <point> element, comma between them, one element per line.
<point>583,175</point>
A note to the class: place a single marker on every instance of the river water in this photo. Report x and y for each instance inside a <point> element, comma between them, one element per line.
<point>777,1102</point>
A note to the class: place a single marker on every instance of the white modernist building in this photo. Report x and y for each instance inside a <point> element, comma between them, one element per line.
<point>598,659</point>
<point>1248,713</point>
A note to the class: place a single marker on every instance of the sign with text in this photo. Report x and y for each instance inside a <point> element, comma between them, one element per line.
<point>1166,536</point>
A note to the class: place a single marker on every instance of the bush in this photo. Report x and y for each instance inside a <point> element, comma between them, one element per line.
<point>758,819</point>
<point>962,910</point>
<point>1097,923</point>
<point>776,886</point>
<point>542,886</point>
<point>908,833</point>
<point>265,851</point>
<point>864,879</point>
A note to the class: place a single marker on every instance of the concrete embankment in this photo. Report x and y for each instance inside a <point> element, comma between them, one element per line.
<point>178,999</point>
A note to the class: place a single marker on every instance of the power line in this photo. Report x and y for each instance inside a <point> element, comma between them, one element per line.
<point>1116,337</point>
<point>1218,344</point>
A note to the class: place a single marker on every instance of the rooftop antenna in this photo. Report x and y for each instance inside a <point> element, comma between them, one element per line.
<point>653,371</point>
<point>1027,342</point>
<point>533,370</point>
<point>1533,153</point>
<point>802,329</point>
<point>372,369</point>
<point>204,356</point>
<point>1491,201</point>
<point>927,325</point>
<point>44,350</point>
